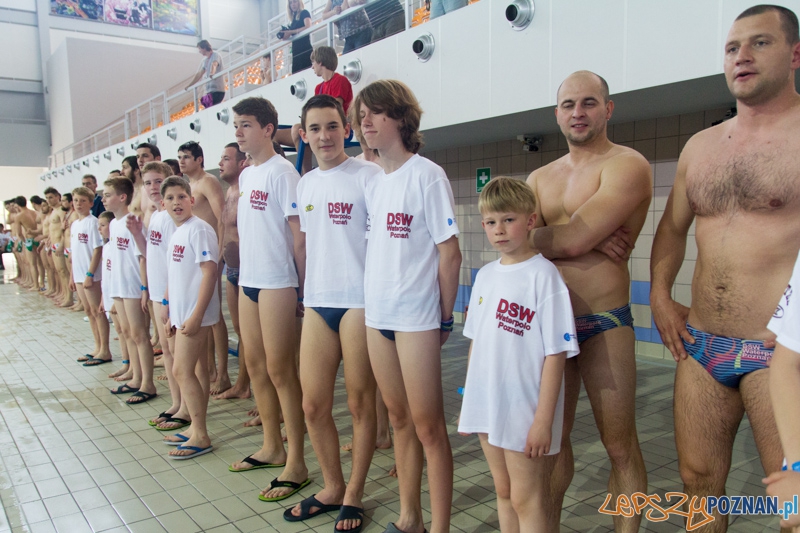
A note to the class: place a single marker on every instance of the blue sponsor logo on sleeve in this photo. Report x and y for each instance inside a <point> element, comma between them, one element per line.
<point>567,336</point>
<point>449,221</point>
<point>294,205</point>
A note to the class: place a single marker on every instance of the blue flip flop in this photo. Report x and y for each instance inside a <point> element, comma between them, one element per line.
<point>181,436</point>
<point>198,451</point>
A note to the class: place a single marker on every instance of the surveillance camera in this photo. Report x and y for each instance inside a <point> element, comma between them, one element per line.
<point>195,125</point>
<point>352,71</point>
<point>424,46</point>
<point>298,89</point>
<point>519,14</point>
<point>222,116</point>
<point>153,139</point>
<point>172,133</point>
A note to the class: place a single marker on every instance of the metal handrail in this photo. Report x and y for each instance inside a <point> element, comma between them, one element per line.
<point>159,109</point>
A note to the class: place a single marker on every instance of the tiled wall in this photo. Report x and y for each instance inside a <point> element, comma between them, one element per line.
<point>659,140</point>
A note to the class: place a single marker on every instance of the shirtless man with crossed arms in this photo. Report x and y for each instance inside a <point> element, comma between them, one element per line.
<point>739,181</point>
<point>592,204</point>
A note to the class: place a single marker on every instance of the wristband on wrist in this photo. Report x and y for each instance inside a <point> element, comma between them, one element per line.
<point>447,325</point>
<point>144,288</point>
<point>89,275</point>
<point>299,298</point>
<point>126,362</point>
<point>794,468</point>
<point>164,302</point>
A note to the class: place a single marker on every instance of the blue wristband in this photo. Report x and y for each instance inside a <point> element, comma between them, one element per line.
<point>89,275</point>
<point>144,288</point>
<point>795,467</point>
<point>164,302</point>
<point>447,325</point>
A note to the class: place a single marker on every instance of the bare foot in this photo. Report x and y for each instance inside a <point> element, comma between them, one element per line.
<point>253,412</point>
<point>158,361</point>
<point>161,377</point>
<point>253,422</point>
<point>393,471</point>
<point>221,385</point>
<point>120,372</point>
<point>233,393</point>
<point>212,376</point>
<point>127,376</point>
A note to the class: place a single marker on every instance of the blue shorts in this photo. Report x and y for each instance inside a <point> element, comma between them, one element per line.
<point>389,334</point>
<point>251,293</point>
<point>588,326</point>
<point>233,275</point>
<point>727,359</point>
<point>331,315</point>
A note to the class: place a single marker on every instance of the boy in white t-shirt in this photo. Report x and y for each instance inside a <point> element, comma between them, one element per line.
<point>152,244</point>
<point>271,276</point>
<point>128,271</point>
<point>784,389</point>
<point>522,330</point>
<point>410,285</point>
<point>334,218</point>
<point>190,307</point>
<point>107,303</point>
<point>87,252</point>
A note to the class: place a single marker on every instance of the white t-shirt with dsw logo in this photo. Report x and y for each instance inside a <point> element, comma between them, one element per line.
<point>194,242</point>
<point>267,198</point>
<point>786,319</point>
<point>333,215</point>
<point>108,301</point>
<point>84,238</point>
<point>411,211</point>
<point>157,235</point>
<point>126,281</point>
<point>518,315</point>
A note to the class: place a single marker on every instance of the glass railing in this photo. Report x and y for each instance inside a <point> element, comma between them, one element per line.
<point>246,68</point>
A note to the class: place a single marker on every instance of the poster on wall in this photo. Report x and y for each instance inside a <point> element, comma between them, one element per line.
<point>176,16</point>
<point>83,9</point>
<point>135,13</point>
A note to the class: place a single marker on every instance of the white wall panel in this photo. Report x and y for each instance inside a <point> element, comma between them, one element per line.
<point>22,5</point>
<point>603,53</point>
<point>21,60</point>
<point>520,74</point>
<point>229,19</point>
<point>670,41</point>
<point>413,71</point>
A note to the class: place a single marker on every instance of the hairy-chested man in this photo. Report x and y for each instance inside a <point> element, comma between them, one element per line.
<point>44,250</point>
<point>231,164</point>
<point>739,181</point>
<point>592,204</point>
<point>56,223</point>
<point>27,220</point>
<point>208,204</point>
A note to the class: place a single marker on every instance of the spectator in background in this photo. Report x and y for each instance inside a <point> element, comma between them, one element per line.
<point>209,66</point>
<point>299,20</point>
<point>176,168</point>
<point>386,17</point>
<point>355,29</point>
<point>265,70</point>
<point>324,62</point>
<point>442,7</point>
<point>90,182</point>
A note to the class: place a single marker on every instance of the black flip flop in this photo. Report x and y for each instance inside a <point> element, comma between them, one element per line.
<point>256,465</point>
<point>305,507</point>
<point>124,389</point>
<point>96,362</point>
<point>144,397</point>
<point>350,512</point>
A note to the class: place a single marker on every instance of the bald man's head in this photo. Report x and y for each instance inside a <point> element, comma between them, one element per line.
<point>586,75</point>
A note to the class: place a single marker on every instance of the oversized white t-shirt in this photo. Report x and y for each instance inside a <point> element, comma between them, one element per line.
<point>84,238</point>
<point>518,315</point>
<point>333,215</point>
<point>108,301</point>
<point>267,197</point>
<point>194,242</point>
<point>785,323</point>
<point>411,211</point>
<point>159,233</point>
<point>126,282</point>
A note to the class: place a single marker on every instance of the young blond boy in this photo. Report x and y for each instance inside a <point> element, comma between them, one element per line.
<point>522,331</point>
<point>190,307</point>
<point>86,246</point>
<point>128,272</point>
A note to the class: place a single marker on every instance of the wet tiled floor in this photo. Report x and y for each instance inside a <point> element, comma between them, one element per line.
<point>75,458</point>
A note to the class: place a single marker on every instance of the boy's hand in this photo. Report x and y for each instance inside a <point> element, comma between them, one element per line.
<point>100,308</point>
<point>191,326</point>
<point>72,285</point>
<point>443,336</point>
<point>538,442</point>
<point>145,299</point>
<point>169,329</point>
<point>87,283</point>
<point>134,224</point>
<point>784,484</point>
<point>300,312</point>
<point>165,315</point>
